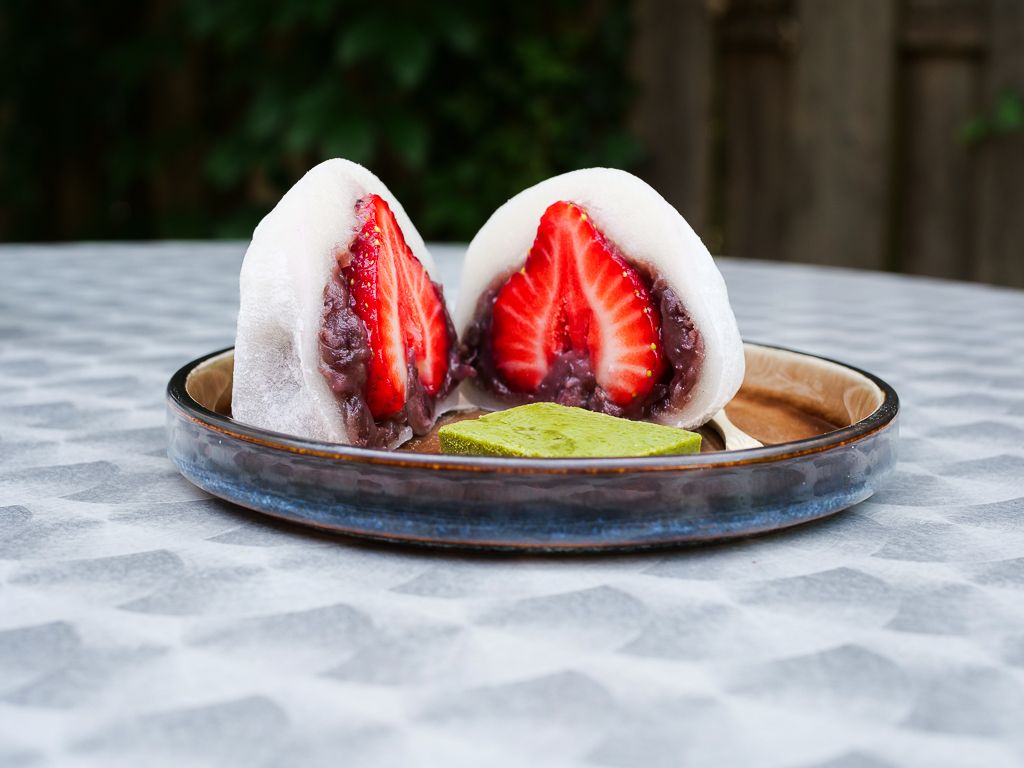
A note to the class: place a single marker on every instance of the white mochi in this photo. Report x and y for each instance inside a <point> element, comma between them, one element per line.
<point>277,381</point>
<point>648,230</point>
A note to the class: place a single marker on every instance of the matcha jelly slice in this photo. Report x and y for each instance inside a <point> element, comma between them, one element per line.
<point>548,430</point>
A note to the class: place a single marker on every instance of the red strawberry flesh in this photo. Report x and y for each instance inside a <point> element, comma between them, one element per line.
<point>577,294</point>
<point>400,307</point>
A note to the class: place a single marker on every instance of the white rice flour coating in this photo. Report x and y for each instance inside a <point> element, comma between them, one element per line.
<point>277,381</point>
<point>648,230</point>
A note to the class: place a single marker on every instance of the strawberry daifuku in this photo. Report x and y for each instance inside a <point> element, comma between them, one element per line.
<point>342,335</point>
<point>590,290</point>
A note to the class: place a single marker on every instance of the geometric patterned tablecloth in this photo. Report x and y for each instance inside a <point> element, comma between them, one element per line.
<point>144,623</point>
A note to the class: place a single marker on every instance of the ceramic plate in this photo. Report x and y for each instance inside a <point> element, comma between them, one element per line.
<point>829,434</point>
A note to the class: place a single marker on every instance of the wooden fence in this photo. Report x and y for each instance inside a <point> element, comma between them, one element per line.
<point>833,131</point>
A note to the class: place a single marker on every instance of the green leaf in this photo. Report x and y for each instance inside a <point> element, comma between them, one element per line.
<point>410,60</point>
<point>264,118</point>
<point>352,138</point>
<point>224,166</point>
<point>361,39</point>
<point>409,139</point>
<point>462,34</point>
<point>1008,116</point>
<point>975,130</point>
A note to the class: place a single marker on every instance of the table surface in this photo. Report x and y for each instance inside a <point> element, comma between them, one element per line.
<point>143,622</point>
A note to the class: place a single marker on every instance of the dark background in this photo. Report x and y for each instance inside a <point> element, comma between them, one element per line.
<point>886,134</point>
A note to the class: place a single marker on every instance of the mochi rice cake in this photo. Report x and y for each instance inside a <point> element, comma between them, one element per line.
<point>590,290</point>
<point>342,335</point>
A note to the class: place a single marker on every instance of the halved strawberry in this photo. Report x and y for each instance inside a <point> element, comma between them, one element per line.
<point>577,294</point>
<point>401,308</point>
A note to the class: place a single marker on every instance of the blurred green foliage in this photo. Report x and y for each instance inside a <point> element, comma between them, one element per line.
<point>1004,118</point>
<point>190,118</point>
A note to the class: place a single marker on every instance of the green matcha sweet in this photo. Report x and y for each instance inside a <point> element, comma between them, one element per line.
<point>548,430</point>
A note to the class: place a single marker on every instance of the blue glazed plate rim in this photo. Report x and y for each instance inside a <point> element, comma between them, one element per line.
<point>881,418</point>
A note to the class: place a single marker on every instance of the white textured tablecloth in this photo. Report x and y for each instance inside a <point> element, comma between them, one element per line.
<point>143,623</point>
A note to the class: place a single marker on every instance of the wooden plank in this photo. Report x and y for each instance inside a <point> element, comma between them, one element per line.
<point>999,255</point>
<point>944,27</point>
<point>756,126</point>
<point>936,224</point>
<point>758,24</point>
<point>672,61</point>
<point>840,185</point>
